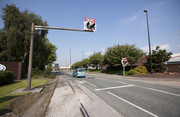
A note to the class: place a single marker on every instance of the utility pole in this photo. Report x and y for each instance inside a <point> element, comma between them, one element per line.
<point>70,59</point>
<point>30,57</point>
<point>82,55</point>
<point>66,63</point>
<point>149,41</point>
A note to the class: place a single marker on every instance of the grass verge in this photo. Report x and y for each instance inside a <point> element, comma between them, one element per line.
<point>6,97</point>
<point>32,104</point>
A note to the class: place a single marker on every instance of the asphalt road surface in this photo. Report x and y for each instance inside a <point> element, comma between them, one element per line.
<point>133,98</point>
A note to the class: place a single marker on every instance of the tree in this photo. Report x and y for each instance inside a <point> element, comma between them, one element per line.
<point>82,63</point>
<point>77,65</point>
<point>11,34</point>
<point>159,57</point>
<point>96,59</point>
<point>85,63</point>
<point>15,38</point>
<point>114,54</point>
<point>51,50</point>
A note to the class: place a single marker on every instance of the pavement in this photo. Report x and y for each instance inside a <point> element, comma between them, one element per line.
<point>72,99</point>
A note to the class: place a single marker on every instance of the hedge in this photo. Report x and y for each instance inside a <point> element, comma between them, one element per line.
<point>6,77</point>
<point>138,70</point>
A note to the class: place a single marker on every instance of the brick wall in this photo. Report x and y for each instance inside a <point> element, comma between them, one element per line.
<point>173,68</point>
<point>17,68</point>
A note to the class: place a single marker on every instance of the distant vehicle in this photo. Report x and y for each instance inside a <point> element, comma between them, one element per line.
<point>79,72</point>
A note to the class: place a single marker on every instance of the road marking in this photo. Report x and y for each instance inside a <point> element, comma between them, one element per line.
<point>117,87</point>
<point>114,76</point>
<point>121,82</point>
<point>159,90</point>
<point>145,87</point>
<point>90,84</point>
<point>132,104</point>
<point>104,79</point>
<point>113,81</point>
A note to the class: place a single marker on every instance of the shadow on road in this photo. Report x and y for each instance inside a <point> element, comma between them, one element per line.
<point>58,73</point>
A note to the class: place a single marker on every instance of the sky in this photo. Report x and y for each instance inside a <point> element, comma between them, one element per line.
<point>118,22</point>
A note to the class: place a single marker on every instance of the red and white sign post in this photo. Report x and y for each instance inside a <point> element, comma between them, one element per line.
<point>124,62</point>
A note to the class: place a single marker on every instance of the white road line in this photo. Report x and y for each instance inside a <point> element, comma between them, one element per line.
<point>90,84</point>
<point>145,87</point>
<point>113,81</point>
<point>121,82</point>
<point>114,76</point>
<point>117,87</point>
<point>132,104</point>
<point>103,79</point>
<point>159,90</point>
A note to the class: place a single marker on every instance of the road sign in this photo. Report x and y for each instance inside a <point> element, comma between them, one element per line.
<point>124,62</point>
<point>89,24</point>
<point>2,67</point>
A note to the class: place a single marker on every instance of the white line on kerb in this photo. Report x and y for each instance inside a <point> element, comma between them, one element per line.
<point>117,87</point>
<point>90,84</point>
<point>132,104</point>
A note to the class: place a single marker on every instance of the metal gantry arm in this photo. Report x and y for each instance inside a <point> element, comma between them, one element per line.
<point>36,27</point>
<point>58,28</point>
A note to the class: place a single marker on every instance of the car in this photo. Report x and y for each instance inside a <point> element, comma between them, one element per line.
<point>79,72</point>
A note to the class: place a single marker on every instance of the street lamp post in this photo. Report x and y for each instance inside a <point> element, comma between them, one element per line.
<point>149,41</point>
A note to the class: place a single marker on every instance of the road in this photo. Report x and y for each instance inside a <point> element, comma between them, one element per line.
<point>134,98</point>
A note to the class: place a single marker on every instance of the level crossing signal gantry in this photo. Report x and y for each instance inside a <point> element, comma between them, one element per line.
<point>90,27</point>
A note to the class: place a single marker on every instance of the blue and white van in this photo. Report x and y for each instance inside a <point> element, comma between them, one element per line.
<point>79,72</point>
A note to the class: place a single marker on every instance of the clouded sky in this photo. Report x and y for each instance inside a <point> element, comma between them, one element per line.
<point>118,22</point>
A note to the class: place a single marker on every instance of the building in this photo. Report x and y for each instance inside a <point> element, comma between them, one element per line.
<point>55,66</point>
<point>174,63</point>
<point>64,68</point>
<point>140,61</point>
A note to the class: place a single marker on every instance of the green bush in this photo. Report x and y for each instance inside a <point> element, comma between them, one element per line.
<point>47,73</point>
<point>6,77</point>
<point>36,71</point>
<point>131,72</point>
<point>138,70</point>
<point>121,73</point>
